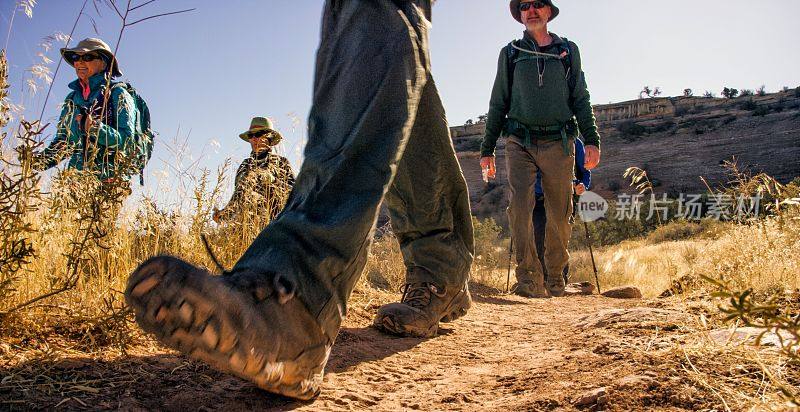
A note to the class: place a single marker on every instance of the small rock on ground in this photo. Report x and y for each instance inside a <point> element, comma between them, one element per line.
<point>582,288</point>
<point>749,336</point>
<point>637,316</point>
<point>624,292</point>
<point>634,381</point>
<point>593,397</point>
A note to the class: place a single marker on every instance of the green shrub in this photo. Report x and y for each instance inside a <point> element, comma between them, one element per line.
<point>631,129</point>
<point>675,230</point>
<point>761,111</point>
<point>749,105</point>
<point>469,144</point>
<point>487,239</point>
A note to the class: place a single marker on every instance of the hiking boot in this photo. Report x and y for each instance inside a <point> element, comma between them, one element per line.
<point>556,286</point>
<point>530,290</point>
<point>251,325</point>
<point>421,308</point>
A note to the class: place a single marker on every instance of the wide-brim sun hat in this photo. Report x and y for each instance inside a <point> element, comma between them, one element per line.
<point>262,124</point>
<point>94,45</point>
<point>514,6</point>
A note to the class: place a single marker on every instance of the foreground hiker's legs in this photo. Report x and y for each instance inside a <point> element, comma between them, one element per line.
<point>284,300</point>
<point>429,208</point>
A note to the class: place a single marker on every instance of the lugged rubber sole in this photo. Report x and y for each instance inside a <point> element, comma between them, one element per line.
<point>178,303</point>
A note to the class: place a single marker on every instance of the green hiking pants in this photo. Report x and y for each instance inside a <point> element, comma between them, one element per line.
<point>557,169</point>
<point>377,129</point>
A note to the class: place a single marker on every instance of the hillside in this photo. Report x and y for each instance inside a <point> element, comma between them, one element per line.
<point>676,139</point>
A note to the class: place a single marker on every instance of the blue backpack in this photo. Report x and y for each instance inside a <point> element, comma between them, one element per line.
<point>144,138</point>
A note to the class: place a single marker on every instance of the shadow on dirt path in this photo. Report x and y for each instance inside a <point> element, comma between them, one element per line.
<point>170,381</point>
<point>507,353</point>
<point>359,345</point>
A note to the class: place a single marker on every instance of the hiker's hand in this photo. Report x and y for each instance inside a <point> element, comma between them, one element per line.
<point>592,158</point>
<point>88,123</point>
<point>487,162</point>
<point>215,216</point>
<point>580,189</point>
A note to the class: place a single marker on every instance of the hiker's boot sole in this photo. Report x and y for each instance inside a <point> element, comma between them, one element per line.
<point>178,303</point>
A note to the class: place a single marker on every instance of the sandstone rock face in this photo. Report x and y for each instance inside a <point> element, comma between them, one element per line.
<point>624,292</point>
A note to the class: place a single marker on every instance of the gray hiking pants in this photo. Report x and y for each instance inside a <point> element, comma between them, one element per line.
<point>557,169</point>
<point>377,129</point>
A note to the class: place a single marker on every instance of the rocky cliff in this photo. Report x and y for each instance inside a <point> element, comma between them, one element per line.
<point>676,139</point>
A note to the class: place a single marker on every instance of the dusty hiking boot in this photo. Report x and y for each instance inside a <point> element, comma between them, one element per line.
<point>421,308</point>
<point>530,290</point>
<point>250,325</point>
<point>556,286</point>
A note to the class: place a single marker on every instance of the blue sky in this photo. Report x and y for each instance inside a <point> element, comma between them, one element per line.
<point>206,73</point>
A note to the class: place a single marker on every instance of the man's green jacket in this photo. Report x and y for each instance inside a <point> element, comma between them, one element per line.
<point>535,106</point>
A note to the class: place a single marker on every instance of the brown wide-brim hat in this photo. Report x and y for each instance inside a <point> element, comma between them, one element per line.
<point>261,124</point>
<point>94,45</point>
<point>514,6</point>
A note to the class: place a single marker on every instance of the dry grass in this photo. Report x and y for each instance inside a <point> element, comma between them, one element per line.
<point>70,251</point>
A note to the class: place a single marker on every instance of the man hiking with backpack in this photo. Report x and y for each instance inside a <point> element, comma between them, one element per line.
<point>540,101</point>
<point>104,127</point>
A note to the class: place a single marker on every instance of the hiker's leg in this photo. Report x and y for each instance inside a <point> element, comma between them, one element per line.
<point>429,208</point>
<point>276,314</point>
<point>557,169</point>
<point>428,201</point>
<point>370,70</point>
<point>539,225</point>
<point>521,180</point>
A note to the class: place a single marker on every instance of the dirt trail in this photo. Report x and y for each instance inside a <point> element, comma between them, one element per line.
<point>508,352</point>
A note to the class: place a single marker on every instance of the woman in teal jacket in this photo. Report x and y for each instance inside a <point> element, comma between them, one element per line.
<point>98,122</point>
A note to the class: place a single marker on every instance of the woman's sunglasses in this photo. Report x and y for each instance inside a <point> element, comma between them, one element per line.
<point>535,4</point>
<point>74,57</point>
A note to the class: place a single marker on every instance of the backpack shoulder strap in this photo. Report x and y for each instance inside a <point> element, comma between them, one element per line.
<point>572,77</point>
<point>511,64</point>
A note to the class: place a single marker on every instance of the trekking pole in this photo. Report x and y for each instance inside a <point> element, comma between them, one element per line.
<point>508,275</point>
<point>591,253</point>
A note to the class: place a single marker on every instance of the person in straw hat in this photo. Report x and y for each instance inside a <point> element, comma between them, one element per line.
<point>540,102</point>
<point>96,124</point>
<point>263,180</point>
<point>377,131</point>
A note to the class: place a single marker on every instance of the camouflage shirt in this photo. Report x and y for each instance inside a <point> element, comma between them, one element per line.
<point>261,188</point>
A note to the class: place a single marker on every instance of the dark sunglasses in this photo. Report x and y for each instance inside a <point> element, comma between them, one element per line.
<point>74,57</point>
<point>535,4</point>
<point>259,134</point>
